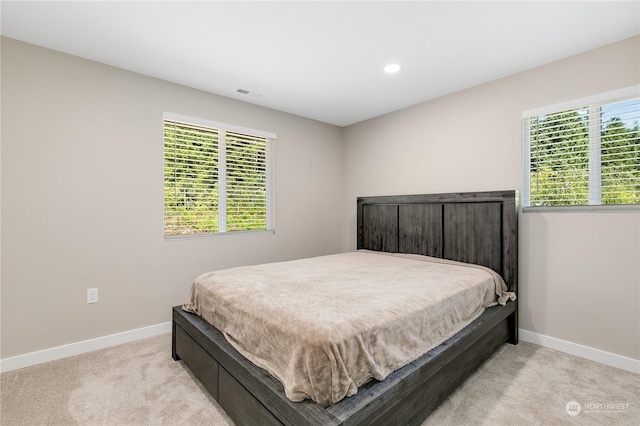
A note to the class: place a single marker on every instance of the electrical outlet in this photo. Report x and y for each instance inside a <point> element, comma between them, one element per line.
<point>92,295</point>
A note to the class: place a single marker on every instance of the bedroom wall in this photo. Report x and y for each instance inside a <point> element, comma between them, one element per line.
<point>579,271</point>
<point>82,197</point>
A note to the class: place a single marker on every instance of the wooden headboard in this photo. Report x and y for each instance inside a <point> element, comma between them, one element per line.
<point>473,227</point>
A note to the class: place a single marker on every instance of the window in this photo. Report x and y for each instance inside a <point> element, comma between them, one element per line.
<point>217,178</point>
<point>583,153</point>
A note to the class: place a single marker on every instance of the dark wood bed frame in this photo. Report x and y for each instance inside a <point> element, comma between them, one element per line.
<point>477,227</point>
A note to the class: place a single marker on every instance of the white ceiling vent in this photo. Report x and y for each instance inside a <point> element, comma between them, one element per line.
<point>248,92</point>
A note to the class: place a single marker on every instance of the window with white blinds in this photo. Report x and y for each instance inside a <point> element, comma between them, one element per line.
<point>583,153</point>
<point>217,178</point>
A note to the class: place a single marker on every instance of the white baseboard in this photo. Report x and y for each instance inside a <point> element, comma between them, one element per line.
<point>33,358</point>
<point>582,351</point>
<point>39,357</point>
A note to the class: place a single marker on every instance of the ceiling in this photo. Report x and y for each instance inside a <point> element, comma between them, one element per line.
<point>323,60</point>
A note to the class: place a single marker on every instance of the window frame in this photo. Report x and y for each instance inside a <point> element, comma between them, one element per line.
<point>613,96</point>
<point>222,129</point>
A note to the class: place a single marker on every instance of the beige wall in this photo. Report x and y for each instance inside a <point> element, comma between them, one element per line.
<point>579,271</point>
<point>82,197</point>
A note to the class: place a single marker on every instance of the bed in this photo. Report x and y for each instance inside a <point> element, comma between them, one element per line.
<point>478,228</point>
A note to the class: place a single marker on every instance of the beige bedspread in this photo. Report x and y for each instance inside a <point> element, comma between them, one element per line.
<point>326,325</point>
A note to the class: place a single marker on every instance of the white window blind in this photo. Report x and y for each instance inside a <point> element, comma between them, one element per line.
<point>583,155</point>
<point>217,178</point>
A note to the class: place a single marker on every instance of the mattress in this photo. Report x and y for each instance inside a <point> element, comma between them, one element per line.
<point>326,325</point>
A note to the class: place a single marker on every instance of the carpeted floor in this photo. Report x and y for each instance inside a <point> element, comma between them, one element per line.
<point>139,384</point>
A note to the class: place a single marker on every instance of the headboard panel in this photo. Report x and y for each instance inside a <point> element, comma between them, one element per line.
<point>421,229</point>
<point>473,227</point>
<point>381,225</point>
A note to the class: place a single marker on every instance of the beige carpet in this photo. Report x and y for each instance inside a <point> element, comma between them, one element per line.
<point>139,384</point>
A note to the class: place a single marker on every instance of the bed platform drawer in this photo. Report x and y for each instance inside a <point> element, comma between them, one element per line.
<point>198,360</point>
<point>241,406</point>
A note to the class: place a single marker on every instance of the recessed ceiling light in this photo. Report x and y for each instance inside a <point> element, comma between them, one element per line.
<point>392,68</point>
